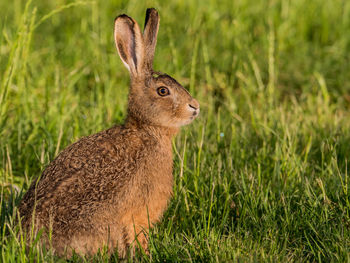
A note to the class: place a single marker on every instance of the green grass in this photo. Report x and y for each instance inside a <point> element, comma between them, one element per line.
<point>262,175</point>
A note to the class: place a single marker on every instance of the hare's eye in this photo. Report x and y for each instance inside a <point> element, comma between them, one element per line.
<point>163,91</point>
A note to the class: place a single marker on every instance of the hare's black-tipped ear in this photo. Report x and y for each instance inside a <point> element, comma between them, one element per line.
<point>150,33</point>
<point>129,43</point>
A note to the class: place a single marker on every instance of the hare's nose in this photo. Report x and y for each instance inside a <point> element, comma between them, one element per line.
<point>194,107</point>
<point>194,104</point>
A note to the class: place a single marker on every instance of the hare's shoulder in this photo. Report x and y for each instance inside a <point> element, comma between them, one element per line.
<point>102,150</point>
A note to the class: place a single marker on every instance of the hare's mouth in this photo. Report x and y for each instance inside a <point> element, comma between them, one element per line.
<point>194,110</point>
<point>195,114</point>
<point>186,121</point>
<point>185,116</point>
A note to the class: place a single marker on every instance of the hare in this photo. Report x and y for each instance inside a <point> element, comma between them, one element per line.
<point>107,189</point>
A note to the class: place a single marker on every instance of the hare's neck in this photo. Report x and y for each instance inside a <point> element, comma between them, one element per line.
<point>160,132</point>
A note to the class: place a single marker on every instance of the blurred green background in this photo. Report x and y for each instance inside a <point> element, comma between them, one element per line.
<point>261,175</point>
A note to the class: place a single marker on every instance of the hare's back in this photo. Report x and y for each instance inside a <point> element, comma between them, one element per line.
<point>85,176</point>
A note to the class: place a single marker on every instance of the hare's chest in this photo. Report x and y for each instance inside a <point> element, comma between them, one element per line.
<point>159,179</point>
<point>159,169</point>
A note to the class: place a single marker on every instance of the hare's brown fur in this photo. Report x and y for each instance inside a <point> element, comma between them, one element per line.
<point>108,188</point>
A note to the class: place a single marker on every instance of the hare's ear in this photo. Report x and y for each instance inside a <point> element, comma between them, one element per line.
<point>150,33</point>
<point>129,43</point>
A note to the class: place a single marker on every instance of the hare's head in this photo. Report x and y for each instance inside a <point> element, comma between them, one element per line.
<point>155,98</point>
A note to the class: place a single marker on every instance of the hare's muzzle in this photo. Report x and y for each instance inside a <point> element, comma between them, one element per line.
<point>194,107</point>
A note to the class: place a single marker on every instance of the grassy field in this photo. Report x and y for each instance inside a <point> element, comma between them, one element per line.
<point>261,175</point>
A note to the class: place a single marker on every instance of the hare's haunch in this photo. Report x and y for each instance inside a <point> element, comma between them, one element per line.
<point>107,189</point>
